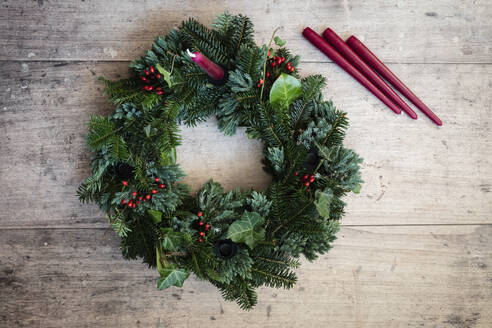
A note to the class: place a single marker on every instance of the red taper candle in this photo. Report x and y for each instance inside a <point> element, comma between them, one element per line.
<point>328,50</point>
<point>212,69</point>
<point>379,67</point>
<point>355,60</point>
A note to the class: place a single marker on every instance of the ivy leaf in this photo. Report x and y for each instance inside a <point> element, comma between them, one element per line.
<point>247,229</point>
<point>156,215</point>
<point>171,276</point>
<point>171,240</point>
<point>165,74</point>
<point>279,42</point>
<point>285,90</point>
<point>323,201</point>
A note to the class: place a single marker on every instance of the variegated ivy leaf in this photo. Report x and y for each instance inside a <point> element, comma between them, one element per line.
<point>171,276</point>
<point>247,229</point>
<point>171,239</point>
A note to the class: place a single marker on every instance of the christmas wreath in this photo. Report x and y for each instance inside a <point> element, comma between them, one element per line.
<point>240,239</point>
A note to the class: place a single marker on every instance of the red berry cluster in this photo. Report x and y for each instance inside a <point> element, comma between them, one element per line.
<point>150,75</point>
<point>275,66</point>
<point>136,199</point>
<point>204,227</point>
<point>307,179</point>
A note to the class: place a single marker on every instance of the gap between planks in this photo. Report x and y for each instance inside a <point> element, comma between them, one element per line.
<point>75,61</point>
<point>341,225</point>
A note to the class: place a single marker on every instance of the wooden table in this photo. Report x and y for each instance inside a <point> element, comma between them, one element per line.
<point>415,249</point>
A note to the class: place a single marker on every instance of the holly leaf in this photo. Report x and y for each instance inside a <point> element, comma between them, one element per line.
<point>171,276</point>
<point>247,229</point>
<point>156,215</point>
<point>165,74</point>
<point>322,202</point>
<point>279,42</point>
<point>171,240</point>
<point>285,90</point>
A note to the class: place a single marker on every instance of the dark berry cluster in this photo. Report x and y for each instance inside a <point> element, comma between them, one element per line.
<point>151,76</point>
<point>136,199</point>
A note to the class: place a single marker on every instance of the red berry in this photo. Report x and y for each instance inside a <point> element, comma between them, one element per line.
<point>154,191</point>
<point>137,202</point>
<point>273,64</point>
<point>123,201</point>
<point>283,59</point>
<point>134,194</point>
<point>147,197</point>
<point>261,81</point>
<point>258,85</point>
<point>140,197</point>
<point>288,64</point>
<point>125,183</point>
<point>268,53</point>
<point>158,75</point>
<point>156,179</point>
<point>200,240</point>
<point>311,179</point>
<point>201,223</point>
<point>158,88</point>
<point>160,92</point>
<point>134,205</point>
<point>150,88</point>
<point>146,72</point>
<point>279,61</point>
<point>306,184</point>
<point>199,214</point>
<point>267,74</point>
<point>305,177</point>
<point>296,173</point>
<point>292,69</point>
<point>152,69</point>
<point>202,233</point>
<point>207,227</point>
<point>161,186</point>
<point>144,79</point>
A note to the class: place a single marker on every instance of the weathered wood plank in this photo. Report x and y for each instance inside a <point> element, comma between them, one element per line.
<point>399,31</point>
<point>374,277</point>
<point>415,173</point>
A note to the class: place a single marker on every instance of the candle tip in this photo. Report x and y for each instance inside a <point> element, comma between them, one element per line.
<point>192,55</point>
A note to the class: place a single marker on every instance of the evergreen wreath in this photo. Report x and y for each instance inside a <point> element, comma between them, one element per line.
<point>238,240</point>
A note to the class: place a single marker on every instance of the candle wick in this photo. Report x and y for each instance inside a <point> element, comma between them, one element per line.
<point>192,55</point>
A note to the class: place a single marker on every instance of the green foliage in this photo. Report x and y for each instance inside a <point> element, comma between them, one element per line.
<point>247,229</point>
<point>171,276</point>
<point>322,202</point>
<point>154,213</point>
<point>285,90</point>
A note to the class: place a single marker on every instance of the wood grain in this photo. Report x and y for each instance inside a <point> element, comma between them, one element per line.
<point>399,31</point>
<point>374,277</point>
<point>415,249</point>
<point>415,173</point>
